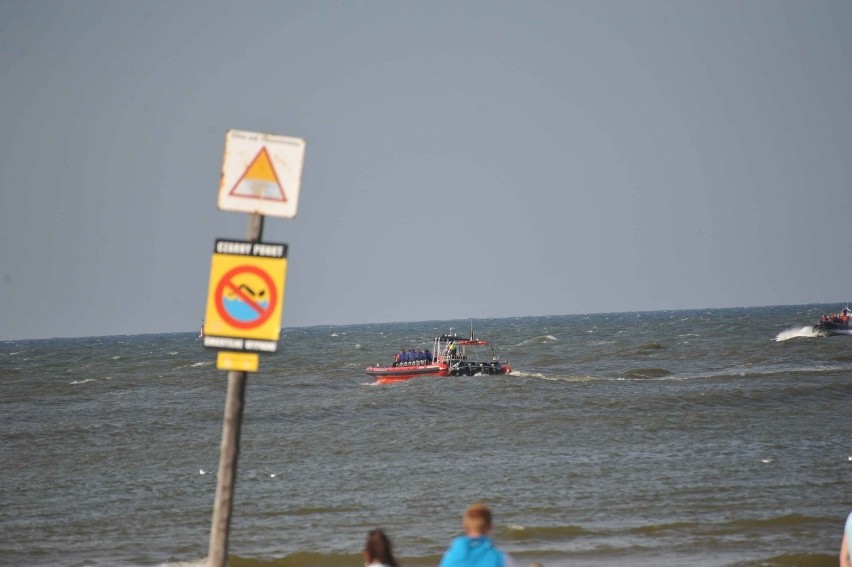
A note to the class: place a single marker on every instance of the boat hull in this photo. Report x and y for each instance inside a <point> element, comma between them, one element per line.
<point>829,329</point>
<point>389,374</point>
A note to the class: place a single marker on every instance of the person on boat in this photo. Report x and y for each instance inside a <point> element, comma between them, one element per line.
<point>397,358</point>
<point>428,356</point>
<point>452,349</point>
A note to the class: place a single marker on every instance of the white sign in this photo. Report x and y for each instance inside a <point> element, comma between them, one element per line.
<point>261,173</point>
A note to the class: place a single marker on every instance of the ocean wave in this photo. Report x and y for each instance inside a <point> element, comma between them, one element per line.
<point>795,332</point>
<point>738,526</point>
<point>539,340</point>
<point>541,533</point>
<point>760,371</point>
<point>646,373</point>
<point>75,382</point>
<point>313,510</point>
<point>557,378</point>
<point>303,559</point>
<point>786,521</point>
<point>644,350</point>
<point>659,528</point>
<point>523,374</point>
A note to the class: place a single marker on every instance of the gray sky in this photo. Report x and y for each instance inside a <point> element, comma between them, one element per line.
<point>464,159</point>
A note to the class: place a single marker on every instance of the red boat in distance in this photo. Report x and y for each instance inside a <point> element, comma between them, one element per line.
<point>451,355</point>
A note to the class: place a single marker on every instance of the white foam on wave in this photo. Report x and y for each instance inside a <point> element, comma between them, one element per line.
<point>766,370</point>
<point>805,332</point>
<point>205,363</point>
<point>522,374</point>
<point>541,339</point>
<point>558,378</point>
<point>73,382</point>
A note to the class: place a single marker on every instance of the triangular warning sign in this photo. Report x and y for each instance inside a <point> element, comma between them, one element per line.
<point>259,180</point>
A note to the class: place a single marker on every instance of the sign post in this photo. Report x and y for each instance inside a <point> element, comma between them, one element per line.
<point>261,174</point>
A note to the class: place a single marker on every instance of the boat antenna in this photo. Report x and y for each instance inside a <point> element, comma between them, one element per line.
<point>471,329</point>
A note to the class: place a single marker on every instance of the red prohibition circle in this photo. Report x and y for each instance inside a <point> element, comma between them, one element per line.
<point>264,314</point>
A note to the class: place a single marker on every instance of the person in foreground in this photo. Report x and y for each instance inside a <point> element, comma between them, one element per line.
<point>475,548</point>
<point>378,551</point>
<point>846,542</point>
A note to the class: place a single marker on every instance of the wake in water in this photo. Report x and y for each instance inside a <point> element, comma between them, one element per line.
<point>807,332</point>
<point>522,374</point>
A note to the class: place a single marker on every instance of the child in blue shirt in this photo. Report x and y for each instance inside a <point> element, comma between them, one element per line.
<point>475,548</point>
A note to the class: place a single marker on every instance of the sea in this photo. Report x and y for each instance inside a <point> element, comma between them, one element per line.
<point>707,437</point>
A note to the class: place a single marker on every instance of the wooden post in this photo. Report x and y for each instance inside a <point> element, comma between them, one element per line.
<point>217,555</point>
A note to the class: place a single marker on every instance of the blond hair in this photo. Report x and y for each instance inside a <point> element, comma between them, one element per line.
<point>477,519</point>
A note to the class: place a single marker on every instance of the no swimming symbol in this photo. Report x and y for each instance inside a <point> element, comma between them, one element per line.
<point>246,297</point>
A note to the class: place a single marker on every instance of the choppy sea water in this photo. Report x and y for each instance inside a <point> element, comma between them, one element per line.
<point>705,437</point>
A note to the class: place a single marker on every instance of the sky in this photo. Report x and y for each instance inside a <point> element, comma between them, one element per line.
<point>463,159</point>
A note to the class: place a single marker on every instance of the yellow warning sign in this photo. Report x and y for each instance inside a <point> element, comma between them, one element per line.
<point>238,361</point>
<point>259,180</point>
<point>261,173</point>
<point>245,296</point>
<point>261,168</point>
